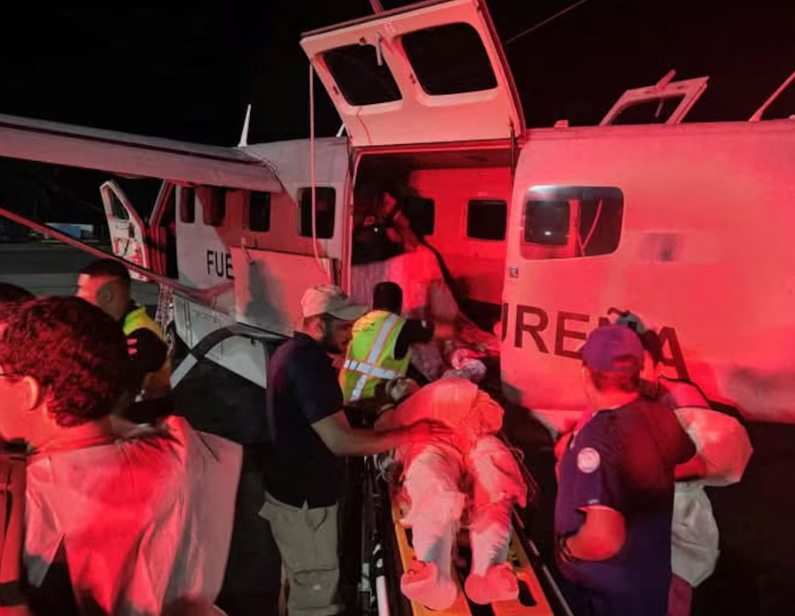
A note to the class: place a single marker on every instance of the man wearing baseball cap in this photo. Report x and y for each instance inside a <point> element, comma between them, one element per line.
<point>309,438</point>
<point>616,487</point>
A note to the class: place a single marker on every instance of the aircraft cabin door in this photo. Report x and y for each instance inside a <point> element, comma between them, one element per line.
<point>127,229</point>
<point>666,102</point>
<point>163,233</point>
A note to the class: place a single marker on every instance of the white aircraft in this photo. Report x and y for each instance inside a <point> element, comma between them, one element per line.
<point>545,230</point>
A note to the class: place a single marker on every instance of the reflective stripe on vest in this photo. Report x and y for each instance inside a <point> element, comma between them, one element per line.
<point>368,370</point>
<point>371,355</point>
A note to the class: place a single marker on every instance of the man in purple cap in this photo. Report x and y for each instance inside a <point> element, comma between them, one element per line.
<point>616,487</point>
<point>309,437</point>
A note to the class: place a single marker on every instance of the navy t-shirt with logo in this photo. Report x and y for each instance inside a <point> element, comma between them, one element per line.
<point>302,390</point>
<point>624,459</point>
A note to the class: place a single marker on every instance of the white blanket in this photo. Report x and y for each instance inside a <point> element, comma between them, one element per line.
<point>726,449</point>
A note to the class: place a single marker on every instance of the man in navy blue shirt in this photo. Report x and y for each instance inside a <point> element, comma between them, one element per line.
<point>309,437</point>
<point>616,486</point>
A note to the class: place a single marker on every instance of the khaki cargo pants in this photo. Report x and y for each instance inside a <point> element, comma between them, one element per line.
<point>307,540</point>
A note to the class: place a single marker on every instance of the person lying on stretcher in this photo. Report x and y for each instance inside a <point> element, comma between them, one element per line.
<point>468,477</point>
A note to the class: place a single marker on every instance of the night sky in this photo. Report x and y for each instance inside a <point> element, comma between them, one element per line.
<point>186,70</point>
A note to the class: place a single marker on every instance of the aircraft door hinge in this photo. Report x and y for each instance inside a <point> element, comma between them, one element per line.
<point>514,149</point>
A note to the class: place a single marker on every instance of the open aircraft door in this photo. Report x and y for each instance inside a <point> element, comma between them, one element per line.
<point>161,232</point>
<point>127,229</point>
<point>432,72</point>
<point>671,101</point>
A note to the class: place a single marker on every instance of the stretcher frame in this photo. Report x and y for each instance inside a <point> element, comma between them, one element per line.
<point>387,553</point>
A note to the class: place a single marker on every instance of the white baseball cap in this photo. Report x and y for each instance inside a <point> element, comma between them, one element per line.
<point>330,299</point>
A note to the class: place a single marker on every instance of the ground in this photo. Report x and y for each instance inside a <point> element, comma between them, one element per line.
<point>51,269</point>
<point>757,564</point>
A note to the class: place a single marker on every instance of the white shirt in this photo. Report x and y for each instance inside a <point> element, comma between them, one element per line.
<point>141,521</point>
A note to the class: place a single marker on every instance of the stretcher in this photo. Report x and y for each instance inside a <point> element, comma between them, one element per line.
<point>387,553</point>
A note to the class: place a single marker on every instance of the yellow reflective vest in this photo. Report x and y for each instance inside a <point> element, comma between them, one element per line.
<point>156,383</point>
<point>371,355</point>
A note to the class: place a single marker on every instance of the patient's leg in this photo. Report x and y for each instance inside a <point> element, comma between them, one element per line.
<point>431,482</point>
<point>498,484</point>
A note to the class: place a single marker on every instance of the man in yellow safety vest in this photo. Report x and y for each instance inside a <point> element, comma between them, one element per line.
<point>106,284</point>
<point>381,345</point>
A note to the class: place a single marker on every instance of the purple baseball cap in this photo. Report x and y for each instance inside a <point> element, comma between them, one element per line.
<point>606,344</point>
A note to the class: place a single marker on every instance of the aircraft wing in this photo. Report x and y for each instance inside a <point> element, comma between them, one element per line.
<point>133,155</point>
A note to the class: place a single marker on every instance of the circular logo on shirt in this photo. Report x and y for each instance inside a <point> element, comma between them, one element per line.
<point>588,460</point>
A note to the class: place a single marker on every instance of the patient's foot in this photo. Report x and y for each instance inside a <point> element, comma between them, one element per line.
<point>498,584</point>
<point>423,584</point>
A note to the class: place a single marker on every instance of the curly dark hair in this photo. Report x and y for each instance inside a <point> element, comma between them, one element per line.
<point>74,350</point>
<point>11,298</point>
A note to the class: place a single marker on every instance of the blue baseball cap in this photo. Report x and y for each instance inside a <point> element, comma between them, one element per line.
<point>606,344</point>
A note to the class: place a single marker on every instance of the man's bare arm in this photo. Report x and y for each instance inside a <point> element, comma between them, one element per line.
<point>343,440</point>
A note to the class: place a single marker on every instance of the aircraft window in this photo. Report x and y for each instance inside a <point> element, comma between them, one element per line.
<point>117,207</point>
<point>361,80</point>
<point>572,221</point>
<point>214,206</point>
<point>259,211</point>
<point>546,221</point>
<point>449,59</point>
<point>601,216</point>
<point>486,219</point>
<point>421,213</point>
<point>325,198</point>
<point>187,205</point>
<point>656,111</point>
